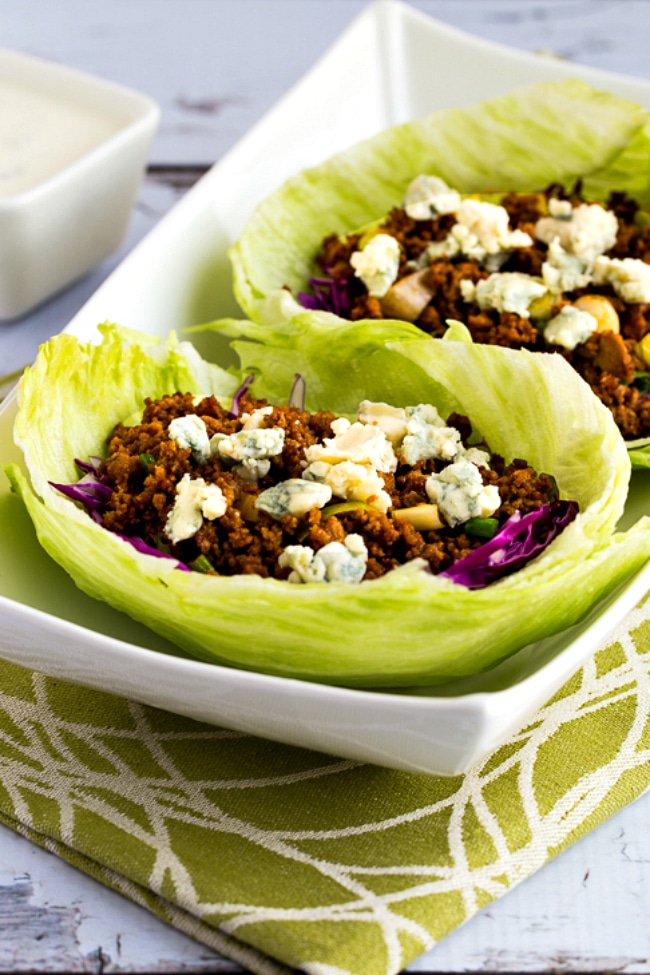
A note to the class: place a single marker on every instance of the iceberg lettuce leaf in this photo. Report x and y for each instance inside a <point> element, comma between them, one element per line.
<point>408,627</point>
<point>553,132</point>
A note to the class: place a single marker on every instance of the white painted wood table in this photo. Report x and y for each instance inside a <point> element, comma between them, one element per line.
<point>215,66</point>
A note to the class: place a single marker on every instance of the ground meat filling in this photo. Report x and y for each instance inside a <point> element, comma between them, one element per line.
<point>145,465</point>
<point>614,362</point>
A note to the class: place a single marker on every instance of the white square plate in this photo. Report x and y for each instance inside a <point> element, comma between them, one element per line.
<point>392,64</point>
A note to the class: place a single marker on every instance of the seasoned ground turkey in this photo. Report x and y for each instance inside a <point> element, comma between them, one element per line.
<point>144,466</point>
<point>610,361</point>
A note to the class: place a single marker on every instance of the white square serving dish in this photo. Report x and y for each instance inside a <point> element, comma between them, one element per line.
<point>73,149</point>
<point>385,68</point>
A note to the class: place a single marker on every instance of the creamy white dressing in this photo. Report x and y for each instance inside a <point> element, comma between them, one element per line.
<point>41,133</point>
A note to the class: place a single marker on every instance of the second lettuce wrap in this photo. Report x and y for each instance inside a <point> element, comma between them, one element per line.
<point>551,133</point>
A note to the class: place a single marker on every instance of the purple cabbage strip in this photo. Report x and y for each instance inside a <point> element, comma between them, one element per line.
<point>297,394</point>
<point>90,466</point>
<point>330,294</point>
<point>140,545</point>
<point>519,540</point>
<point>92,493</point>
<point>234,409</point>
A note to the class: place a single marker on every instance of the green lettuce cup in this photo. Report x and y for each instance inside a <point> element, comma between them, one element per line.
<point>408,627</point>
<point>551,133</point>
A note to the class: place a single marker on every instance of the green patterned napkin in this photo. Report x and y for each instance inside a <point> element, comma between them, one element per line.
<point>282,858</point>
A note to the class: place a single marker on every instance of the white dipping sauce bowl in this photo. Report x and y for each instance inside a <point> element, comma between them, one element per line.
<point>73,149</point>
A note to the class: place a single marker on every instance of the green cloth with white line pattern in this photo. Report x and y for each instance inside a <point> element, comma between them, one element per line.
<point>283,858</point>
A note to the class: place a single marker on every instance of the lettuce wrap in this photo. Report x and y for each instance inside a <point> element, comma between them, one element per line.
<point>551,133</point>
<point>408,627</point>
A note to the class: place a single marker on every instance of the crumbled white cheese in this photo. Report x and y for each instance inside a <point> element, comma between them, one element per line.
<point>570,327</point>
<point>489,225</point>
<point>255,420</point>
<point>253,468</point>
<point>589,230</point>
<point>429,196</point>
<point>255,444</point>
<point>335,562</point>
<point>477,456</point>
<point>482,232</point>
<point>190,432</point>
<point>351,482</point>
<point>460,494</point>
<point>339,426</point>
<point>195,500</point>
<point>629,277</point>
<point>427,436</point>
<point>295,496</point>
<point>419,433</point>
<point>511,291</point>
<point>358,442</point>
<point>467,290</point>
<point>377,264</point>
<point>449,247</point>
<point>560,208</point>
<point>390,419</point>
<point>562,271</point>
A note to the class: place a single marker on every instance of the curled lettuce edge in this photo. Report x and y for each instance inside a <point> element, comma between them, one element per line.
<point>550,132</point>
<point>408,627</point>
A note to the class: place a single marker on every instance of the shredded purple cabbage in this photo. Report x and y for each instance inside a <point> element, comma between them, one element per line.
<point>329,294</point>
<point>90,466</point>
<point>93,493</point>
<point>520,539</point>
<point>297,394</point>
<point>234,409</point>
<point>90,491</point>
<point>140,545</point>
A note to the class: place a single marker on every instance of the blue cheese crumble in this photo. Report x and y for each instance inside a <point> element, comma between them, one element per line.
<point>460,494</point>
<point>357,442</point>
<point>629,277</point>
<point>251,447</point>
<point>349,462</point>
<point>429,196</point>
<point>586,231</point>
<point>191,432</point>
<point>419,433</point>
<point>256,419</point>
<point>511,291</point>
<point>195,500</point>
<point>428,437</point>
<point>562,271</point>
<point>482,232</point>
<point>295,496</point>
<point>377,264</point>
<point>391,420</point>
<point>335,562</point>
<point>351,482</point>
<point>570,327</point>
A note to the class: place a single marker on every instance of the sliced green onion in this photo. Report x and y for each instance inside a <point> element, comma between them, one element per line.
<point>555,491</point>
<point>147,461</point>
<point>642,381</point>
<point>344,506</point>
<point>202,564</point>
<point>482,527</point>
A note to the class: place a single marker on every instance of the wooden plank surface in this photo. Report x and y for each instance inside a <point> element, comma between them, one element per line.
<point>215,66</point>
